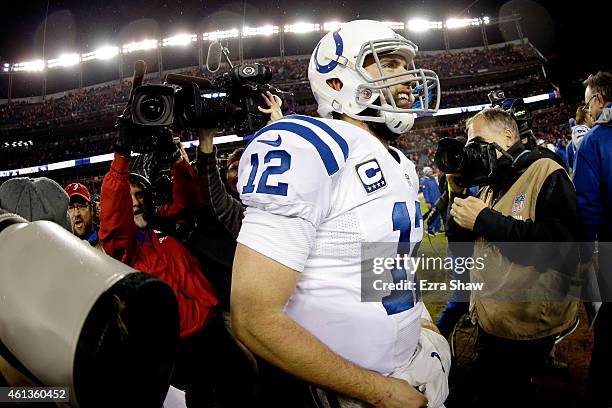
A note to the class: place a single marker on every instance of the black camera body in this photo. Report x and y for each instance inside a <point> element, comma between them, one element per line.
<point>475,163</point>
<point>230,102</point>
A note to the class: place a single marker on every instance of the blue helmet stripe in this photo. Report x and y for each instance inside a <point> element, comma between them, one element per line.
<point>337,138</point>
<point>327,156</point>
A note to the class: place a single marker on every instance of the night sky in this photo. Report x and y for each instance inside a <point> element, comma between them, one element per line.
<point>571,36</point>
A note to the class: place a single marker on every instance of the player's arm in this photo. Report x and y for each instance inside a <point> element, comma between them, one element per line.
<point>260,289</point>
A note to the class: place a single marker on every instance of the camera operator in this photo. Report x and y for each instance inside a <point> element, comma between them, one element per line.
<point>228,209</point>
<point>526,198</point>
<point>126,235</point>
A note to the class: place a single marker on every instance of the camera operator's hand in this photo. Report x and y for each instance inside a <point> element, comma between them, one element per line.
<point>168,149</point>
<point>205,136</point>
<point>465,211</point>
<point>274,106</point>
<point>125,134</point>
<point>451,179</point>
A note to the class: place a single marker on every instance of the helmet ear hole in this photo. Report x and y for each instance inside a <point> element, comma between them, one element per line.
<point>335,83</point>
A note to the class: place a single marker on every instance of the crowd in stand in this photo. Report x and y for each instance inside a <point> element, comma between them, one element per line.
<point>284,71</point>
<point>451,64</point>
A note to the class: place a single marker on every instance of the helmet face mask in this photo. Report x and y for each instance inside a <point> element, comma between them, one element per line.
<point>341,54</point>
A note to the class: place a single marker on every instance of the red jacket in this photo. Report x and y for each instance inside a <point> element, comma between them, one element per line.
<point>165,258</point>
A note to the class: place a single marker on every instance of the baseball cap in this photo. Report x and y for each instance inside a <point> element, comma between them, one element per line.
<point>35,199</point>
<point>78,189</point>
<point>427,170</point>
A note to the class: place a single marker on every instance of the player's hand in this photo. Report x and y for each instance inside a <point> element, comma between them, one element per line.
<point>274,106</point>
<point>399,394</point>
<point>465,211</point>
<point>205,137</point>
<point>451,179</point>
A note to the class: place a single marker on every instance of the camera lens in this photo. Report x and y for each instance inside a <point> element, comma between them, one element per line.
<point>152,108</point>
<point>450,155</point>
<point>454,158</point>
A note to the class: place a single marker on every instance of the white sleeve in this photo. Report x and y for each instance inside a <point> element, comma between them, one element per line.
<point>287,240</point>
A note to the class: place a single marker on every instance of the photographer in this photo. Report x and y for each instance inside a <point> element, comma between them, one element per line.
<point>526,198</point>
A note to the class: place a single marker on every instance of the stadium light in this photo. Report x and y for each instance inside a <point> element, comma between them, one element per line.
<point>179,40</point>
<point>7,67</point>
<point>255,31</point>
<point>462,22</point>
<point>220,34</point>
<point>395,25</point>
<point>64,60</point>
<point>301,28</point>
<point>331,25</point>
<point>29,66</point>
<point>419,24</point>
<point>139,46</point>
<point>103,53</point>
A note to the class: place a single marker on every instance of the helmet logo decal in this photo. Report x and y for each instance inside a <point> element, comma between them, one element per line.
<point>324,69</point>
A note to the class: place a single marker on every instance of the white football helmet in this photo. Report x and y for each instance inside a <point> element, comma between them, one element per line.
<point>341,54</point>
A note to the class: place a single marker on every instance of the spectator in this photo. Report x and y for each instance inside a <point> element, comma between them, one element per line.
<point>580,126</point>
<point>593,180</point>
<point>82,213</point>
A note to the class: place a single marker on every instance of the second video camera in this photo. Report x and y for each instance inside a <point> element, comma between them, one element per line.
<point>229,102</point>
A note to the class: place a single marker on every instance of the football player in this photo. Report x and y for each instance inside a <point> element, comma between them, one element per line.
<point>316,189</point>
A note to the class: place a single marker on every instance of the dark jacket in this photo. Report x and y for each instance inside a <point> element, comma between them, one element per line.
<point>228,209</point>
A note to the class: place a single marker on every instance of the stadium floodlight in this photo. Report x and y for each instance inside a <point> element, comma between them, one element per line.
<point>486,20</point>
<point>255,31</point>
<point>419,24</point>
<point>395,25</point>
<point>139,46</point>
<point>331,26</point>
<point>179,40</point>
<point>462,22</point>
<point>220,34</point>
<point>7,67</point>
<point>301,28</point>
<point>103,53</point>
<point>64,60</point>
<point>29,66</point>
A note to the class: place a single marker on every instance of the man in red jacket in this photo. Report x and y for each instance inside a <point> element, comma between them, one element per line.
<point>126,234</point>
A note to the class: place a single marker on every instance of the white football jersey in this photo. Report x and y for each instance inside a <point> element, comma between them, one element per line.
<point>343,181</point>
